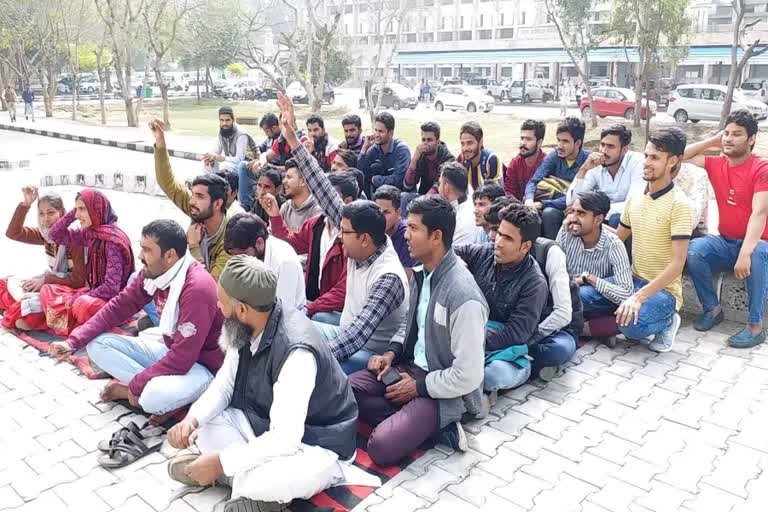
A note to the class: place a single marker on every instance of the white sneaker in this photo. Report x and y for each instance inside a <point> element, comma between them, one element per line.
<point>663,341</point>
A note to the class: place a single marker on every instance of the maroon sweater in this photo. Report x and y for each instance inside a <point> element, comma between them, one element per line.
<point>195,340</point>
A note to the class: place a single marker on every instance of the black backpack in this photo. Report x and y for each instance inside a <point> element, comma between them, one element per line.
<point>541,248</point>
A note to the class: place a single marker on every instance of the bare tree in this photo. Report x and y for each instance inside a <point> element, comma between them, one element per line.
<point>102,55</point>
<point>388,15</point>
<point>74,15</point>
<point>254,53</point>
<point>162,20</point>
<point>740,29</point>
<point>578,36</point>
<point>123,18</point>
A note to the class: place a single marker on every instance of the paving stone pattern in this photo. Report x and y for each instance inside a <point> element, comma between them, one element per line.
<point>620,430</point>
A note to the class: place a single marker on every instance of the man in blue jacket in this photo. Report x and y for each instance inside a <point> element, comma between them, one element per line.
<point>383,158</point>
<point>549,184</point>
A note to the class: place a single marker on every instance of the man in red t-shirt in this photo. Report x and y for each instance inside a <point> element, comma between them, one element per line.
<point>740,181</point>
<point>522,167</point>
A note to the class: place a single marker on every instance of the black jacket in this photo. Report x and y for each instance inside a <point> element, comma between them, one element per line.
<point>516,295</point>
<point>422,177</point>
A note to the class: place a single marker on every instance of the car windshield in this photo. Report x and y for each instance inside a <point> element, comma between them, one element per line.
<point>629,95</point>
<point>751,86</point>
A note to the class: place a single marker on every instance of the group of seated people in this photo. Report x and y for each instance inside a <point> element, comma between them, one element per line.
<point>283,324</point>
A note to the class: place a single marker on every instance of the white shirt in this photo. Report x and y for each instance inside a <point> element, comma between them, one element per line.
<point>280,258</point>
<point>235,208</point>
<point>326,242</point>
<point>288,414</point>
<point>617,188</point>
<point>466,230</point>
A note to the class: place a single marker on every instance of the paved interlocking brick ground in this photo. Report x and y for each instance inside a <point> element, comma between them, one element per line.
<point>621,430</point>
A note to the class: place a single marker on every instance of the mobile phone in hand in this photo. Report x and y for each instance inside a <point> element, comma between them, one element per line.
<point>391,376</point>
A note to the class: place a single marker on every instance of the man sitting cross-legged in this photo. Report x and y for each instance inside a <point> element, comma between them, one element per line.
<point>440,364</point>
<point>516,291</point>
<point>247,234</point>
<point>375,305</point>
<point>206,205</point>
<point>279,420</point>
<point>596,259</point>
<point>159,375</point>
<point>326,268</point>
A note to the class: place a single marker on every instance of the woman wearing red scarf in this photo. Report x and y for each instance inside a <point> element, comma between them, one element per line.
<point>109,262</point>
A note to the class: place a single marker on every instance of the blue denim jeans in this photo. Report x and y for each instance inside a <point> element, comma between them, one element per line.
<point>593,302</point>
<point>327,317</point>
<point>503,374</point>
<point>358,361</point>
<point>554,350</point>
<point>124,358</point>
<point>245,184</point>
<point>149,308</point>
<point>713,254</point>
<point>655,314</point>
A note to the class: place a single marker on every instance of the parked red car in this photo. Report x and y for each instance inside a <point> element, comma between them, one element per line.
<point>616,102</point>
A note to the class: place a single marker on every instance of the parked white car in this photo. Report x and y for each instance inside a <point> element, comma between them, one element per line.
<point>237,90</point>
<point>756,89</point>
<point>534,90</point>
<point>89,86</point>
<point>463,97</point>
<point>696,102</point>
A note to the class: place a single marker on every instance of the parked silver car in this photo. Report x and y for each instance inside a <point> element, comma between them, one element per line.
<point>534,91</point>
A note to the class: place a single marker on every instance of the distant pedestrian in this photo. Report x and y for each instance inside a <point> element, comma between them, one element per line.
<point>10,100</point>
<point>565,98</point>
<point>29,98</point>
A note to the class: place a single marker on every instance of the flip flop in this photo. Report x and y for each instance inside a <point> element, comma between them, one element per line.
<point>129,449</point>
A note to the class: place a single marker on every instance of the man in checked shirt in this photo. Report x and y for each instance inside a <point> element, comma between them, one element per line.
<point>375,306</point>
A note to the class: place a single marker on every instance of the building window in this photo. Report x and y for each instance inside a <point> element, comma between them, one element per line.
<point>442,23</point>
<point>461,21</point>
<point>467,1</point>
<point>409,38</point>
<point>506,71</point>
<point>501,19</point>
<point>481,20</point>
<point>428,37</point>
<point>446,2</point>
<point>465,35</point>
<point>506,33</point>
<point>445,36</point>
<point>522,18</point>
<point>429,3</point>
<point>485,34</point>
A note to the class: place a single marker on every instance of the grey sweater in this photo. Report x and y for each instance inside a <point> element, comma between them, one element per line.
<point>454,338</point>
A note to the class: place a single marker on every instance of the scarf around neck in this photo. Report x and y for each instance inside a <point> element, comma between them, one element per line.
<point>174,277</point>
<point>60,266</point>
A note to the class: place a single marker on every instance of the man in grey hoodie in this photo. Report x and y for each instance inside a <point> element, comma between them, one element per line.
<point>301,205</point>
<point>440,363</point>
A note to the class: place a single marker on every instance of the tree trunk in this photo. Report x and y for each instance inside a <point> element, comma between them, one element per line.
<point>164,94</point>
<point>585,79</point>
<point>140,102</point>
<point>648,117</point>
<point>198,86</point>
<point>641,67</point>
<point>734,66</point>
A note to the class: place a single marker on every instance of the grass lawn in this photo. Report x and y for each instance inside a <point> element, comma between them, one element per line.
<point>501,131</point>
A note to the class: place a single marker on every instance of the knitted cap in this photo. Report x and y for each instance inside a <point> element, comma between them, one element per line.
<point>227,110</point>
<point>246,279</point>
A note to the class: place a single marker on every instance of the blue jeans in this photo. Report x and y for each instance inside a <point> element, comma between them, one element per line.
<point>554,350</point>
<point>245,184</point>
<point>655,314</point>
<point>358,361</point>
<point>149,308</point>
<point>124,358</point>
<point>327,317</point>
<point>593,302</point>
<point>613,220</point>
<point>718,254</point>
<point>504,375</point>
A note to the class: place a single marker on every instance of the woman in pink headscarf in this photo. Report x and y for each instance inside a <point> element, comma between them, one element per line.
<point>109,262</point>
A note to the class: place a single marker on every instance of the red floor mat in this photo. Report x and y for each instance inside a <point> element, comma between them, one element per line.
<point>41,339</point>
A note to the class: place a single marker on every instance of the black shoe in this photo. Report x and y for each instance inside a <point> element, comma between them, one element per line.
<point>454,437</point>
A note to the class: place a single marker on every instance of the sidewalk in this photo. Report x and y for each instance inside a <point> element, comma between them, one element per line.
<point>135,139</point>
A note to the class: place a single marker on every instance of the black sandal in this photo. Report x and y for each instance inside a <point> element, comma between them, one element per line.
<point>129,449</point>
<point>119,435</point>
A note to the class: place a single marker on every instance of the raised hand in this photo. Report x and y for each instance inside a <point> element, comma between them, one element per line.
<point>30,194</point>
<point>269,203</point>
<point>158,130</point>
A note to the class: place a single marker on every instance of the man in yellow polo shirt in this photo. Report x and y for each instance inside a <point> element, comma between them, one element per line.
<point>659,221</point>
